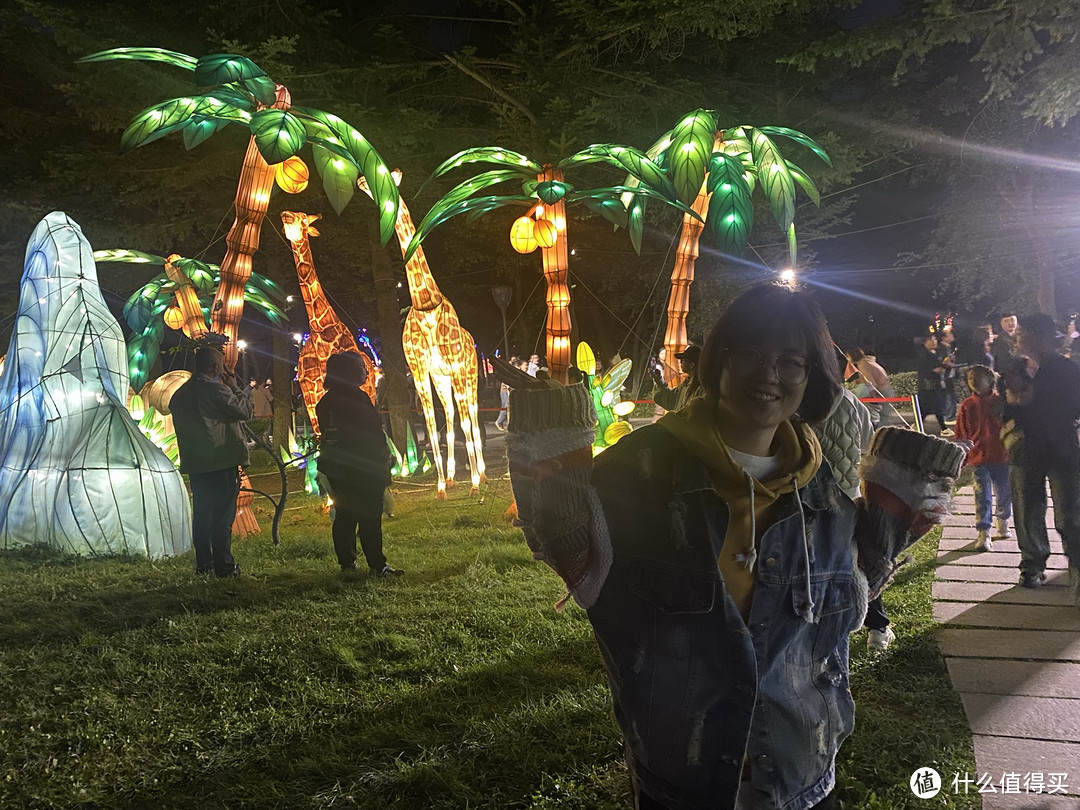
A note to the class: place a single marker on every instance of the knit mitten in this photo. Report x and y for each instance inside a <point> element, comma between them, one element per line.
<point>907,490</point>
<point>549,447</point>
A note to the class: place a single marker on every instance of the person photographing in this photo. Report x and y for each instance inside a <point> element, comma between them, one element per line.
<point>207,412</point>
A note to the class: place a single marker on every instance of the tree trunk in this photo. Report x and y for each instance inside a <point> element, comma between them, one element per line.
<point>186,299</point>
<point>283,360</point>
<point>556,274</point>
<point>682,276</point>
<point>252,200</point>
<point>393,356</point>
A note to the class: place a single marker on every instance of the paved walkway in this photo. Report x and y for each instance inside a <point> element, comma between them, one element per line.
<point>1014,657</point>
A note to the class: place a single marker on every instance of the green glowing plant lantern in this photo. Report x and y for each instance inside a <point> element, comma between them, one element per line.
<point>605,390</point>
<point>154,427</point>
<point>545,192</point>
<point>412,463</point>
<point>304,455</point>
<point>715,171</point>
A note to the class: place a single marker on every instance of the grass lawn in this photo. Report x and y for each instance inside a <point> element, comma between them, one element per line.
<point>129,684</point>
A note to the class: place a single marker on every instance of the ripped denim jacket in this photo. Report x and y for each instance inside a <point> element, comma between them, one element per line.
<point>696,689</point>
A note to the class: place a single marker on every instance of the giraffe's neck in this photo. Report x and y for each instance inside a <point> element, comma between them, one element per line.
<point>319,317</point>
<point>423,291</point>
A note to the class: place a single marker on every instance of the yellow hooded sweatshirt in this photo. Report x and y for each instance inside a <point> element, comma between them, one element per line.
<point>748,500</point>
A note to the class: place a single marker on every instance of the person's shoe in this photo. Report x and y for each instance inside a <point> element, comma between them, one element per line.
<point>1001,529</point>
<point>984,543</point>
<point>388,571</point>
<point>348,567</point>
<point>1032,579</point>
<point>947,433</point>
<point>879,640</point>
<point>229,573</point>
<point>500,427</point>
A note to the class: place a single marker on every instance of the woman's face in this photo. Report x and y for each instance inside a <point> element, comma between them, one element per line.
<point>760,385</point>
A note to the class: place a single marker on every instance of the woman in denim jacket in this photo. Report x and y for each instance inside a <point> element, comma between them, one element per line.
<point>720,563</point>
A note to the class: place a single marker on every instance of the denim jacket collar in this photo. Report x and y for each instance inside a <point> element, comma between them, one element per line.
<point>692,475</point>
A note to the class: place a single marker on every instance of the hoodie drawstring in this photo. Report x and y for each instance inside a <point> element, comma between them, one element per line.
<point>808,611</point>
<point>749,558</point>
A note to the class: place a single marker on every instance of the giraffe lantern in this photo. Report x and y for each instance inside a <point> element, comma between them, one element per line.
<point>442,354</point>
<point>328,335</point>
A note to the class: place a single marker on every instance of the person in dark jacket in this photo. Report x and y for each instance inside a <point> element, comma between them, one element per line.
<point>1048,452</point>
<point>946,354</point>
<point>207,411</point>
<point>671,399</point>
<point>354,456</point>
<point>1003,345</point>
<point>931,381</point>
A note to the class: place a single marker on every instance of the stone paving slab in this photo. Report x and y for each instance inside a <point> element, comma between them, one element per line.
<point>1033,678</point>
<point>1020,687</point>
<point>1010,546</point>
<point>974,614</point>
<point>1034,718</point>
<point>1043,645</point>
<point>1004,755</point>
<point>1001,593</point>
<point>995,557</point>
<point>989,573</point>
<point>1030,802</point>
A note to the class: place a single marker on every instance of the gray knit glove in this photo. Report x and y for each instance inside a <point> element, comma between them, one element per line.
<point>907,490</point>
<point>549,447</point>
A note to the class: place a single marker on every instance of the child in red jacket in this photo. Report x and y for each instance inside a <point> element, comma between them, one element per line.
<point>979,421</point>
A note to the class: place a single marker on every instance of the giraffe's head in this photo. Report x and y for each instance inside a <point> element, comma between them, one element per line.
<point>361,182</point>
<point>298,225</point>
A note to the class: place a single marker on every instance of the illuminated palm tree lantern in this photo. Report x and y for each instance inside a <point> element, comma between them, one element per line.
<point>233,89</point>
<point>716,170</point>
<point>546,193</point>
<point>186,287</point>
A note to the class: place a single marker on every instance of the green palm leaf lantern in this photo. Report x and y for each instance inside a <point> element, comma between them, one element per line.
<point>715,171</point>
<point>545,193</point>
<point>180,298</point>
<point>231,89</point>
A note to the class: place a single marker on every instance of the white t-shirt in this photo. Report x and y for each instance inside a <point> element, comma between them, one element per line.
<point>761,467</point>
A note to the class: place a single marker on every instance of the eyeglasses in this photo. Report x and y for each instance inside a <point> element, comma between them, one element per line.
<point>792,369</point>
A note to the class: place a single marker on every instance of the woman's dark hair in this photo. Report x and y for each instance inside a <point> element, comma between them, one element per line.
<point>771,311</point>
<point>345,370</point>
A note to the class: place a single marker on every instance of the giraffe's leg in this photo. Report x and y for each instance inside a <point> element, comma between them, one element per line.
<point>423,392</point>
<point>445,391</point>
<point>465,391</point>
<point>310,377</point>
